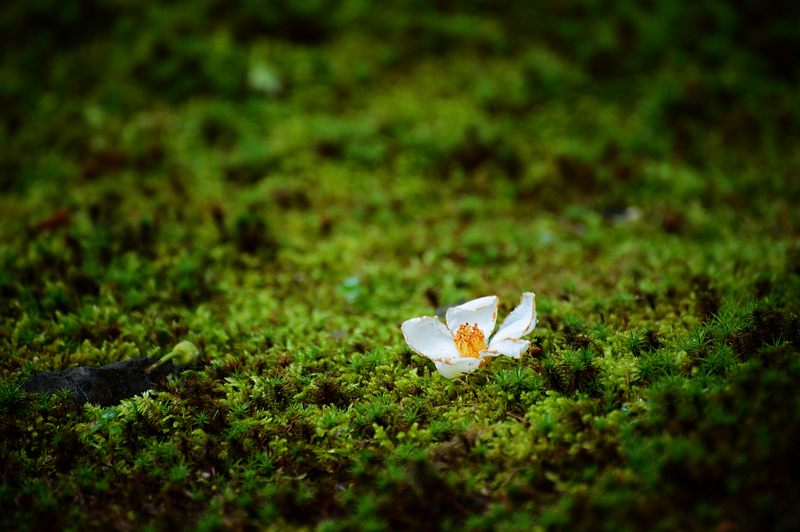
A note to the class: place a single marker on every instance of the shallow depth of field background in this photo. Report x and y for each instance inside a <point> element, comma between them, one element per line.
<point>283,183</point>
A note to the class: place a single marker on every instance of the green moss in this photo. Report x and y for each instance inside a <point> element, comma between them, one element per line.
<point>282,186</point>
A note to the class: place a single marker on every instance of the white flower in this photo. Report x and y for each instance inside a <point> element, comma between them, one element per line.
<point>464,343</point>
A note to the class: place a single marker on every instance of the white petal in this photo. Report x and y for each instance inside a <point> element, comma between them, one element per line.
<point>520,321</point>
<point>507,347</point>
<point>482,311</point>
<point>429,337</point>
<point>453,367</point>
<point>476,304</point>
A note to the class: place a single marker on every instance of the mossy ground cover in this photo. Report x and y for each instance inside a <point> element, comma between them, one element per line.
<point>283,184</point>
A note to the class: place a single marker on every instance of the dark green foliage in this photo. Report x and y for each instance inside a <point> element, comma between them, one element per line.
<point>658,364</point>
<point>570,371</point>
<point>707,452</point>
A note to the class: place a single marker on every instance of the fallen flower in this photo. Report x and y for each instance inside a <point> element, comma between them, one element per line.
<point>464,344</point>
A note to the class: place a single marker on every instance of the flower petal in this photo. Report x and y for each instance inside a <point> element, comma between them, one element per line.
<point>479,303</point>
<point>429,337</point>
<point>508,347</point>
<point>520,321</point>
<point>481,311</point>
<point>453,367</point>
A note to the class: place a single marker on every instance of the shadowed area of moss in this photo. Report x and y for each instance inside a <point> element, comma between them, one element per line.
<point>283,185</point>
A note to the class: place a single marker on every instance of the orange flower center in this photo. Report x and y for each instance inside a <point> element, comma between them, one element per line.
<point>470,340</point>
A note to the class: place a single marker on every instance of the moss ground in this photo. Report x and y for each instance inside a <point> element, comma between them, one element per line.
<point>284,185</point>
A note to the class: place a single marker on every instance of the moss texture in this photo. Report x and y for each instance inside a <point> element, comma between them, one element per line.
<point>282,184</point>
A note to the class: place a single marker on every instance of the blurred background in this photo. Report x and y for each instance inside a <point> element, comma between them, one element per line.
<point>561,101</point>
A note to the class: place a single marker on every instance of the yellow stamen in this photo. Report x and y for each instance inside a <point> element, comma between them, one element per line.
<point>469,340</point>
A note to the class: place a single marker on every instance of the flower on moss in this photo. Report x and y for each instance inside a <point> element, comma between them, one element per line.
<point>466,341</point>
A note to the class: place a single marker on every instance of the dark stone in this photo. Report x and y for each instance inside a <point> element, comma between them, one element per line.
<point>105,385</point>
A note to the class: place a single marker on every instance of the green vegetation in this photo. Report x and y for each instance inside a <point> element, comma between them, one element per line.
<point>282,185</point>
